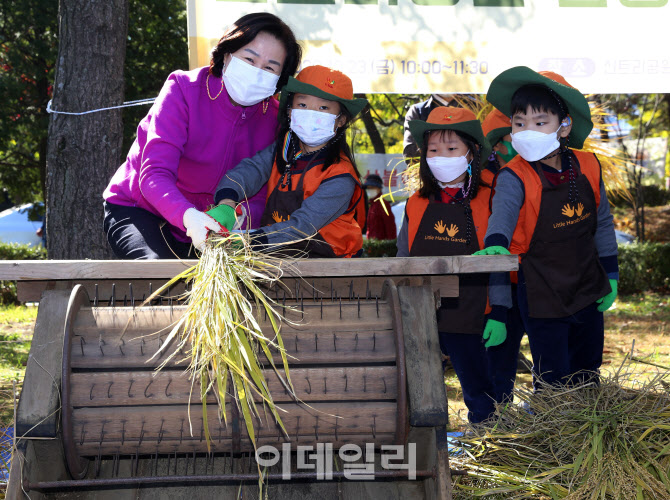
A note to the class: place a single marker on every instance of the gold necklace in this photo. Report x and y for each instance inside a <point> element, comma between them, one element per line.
<point>266,103</point>
<point>220,90</point>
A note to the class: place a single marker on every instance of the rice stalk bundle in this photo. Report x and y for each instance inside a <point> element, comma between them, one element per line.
<point>220,333</point>
<point>610,441</point>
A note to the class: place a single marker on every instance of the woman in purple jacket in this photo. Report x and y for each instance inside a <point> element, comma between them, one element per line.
<point>203,123</point>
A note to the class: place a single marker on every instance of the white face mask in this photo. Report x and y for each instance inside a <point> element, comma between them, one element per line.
<point>447,169</point>
<point>313,128</point>
<point>246,84</point>
<point>372,193</point>
<point>533,145</point>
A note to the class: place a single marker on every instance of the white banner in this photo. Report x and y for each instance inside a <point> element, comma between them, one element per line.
<point>445,46</point>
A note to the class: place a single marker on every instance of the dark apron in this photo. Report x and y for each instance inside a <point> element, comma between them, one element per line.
<point>561,268</point>
<point>465,313</point>
<point>279,207</point>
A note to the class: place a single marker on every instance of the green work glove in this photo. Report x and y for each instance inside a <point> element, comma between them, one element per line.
<point>495,332</point>
<point>496,250</point>
<point>607,301</point>
<point>224,215</point>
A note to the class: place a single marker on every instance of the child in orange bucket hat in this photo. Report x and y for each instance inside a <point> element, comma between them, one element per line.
<point>448,216</point>
<point>314,193</point>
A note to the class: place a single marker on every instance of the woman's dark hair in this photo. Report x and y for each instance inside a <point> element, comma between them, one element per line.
<point>539,98</point>
<point>429,185</point>
<point>336,149</point>
<point>245,29</point>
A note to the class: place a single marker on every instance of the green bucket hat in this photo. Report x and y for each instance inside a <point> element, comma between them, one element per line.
<point>325,83</point>
<point>450,118</point>
<point>508,82</point>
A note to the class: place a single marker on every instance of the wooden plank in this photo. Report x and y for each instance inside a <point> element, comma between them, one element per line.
<point>30,291</point>
<point>308,288</point>
<point>171,423</point>
<point>224,445</point>
<point>135,269</point>
<point>342,315</point>
<point>425,377</point>
<point>355,383</point>
<point>134,352</point>
<point>37,414</point>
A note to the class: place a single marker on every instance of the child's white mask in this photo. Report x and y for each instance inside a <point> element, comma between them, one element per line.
<point>246,84</point>
<point>313,128</point>
<point>533,145</point>
<point>447,169</point>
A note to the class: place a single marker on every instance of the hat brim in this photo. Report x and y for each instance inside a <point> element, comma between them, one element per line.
<point>495,135</point>
<point>353,106</point>
<point>473,128</point>
<point>508,82</point>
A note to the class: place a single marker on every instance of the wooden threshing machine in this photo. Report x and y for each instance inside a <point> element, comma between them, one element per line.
<point>96,421</point>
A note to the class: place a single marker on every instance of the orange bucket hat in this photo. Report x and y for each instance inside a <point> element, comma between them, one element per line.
<point>450,118</point>
<point>496,126</point>
<point>325,83</point>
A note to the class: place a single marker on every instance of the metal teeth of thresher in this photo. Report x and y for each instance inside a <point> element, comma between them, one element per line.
<point>344,349</point>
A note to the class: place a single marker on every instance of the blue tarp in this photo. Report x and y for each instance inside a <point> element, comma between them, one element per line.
<point>6,439</point>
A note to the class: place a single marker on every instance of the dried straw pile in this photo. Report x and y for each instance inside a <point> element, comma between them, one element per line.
<point>606,442</point>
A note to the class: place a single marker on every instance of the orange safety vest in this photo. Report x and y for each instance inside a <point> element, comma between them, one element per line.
<point>525,226</point>
<point>344,233</point>
<point>416,207</point>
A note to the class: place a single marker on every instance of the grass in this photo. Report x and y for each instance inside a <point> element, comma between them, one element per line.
<point>13,315</point>
<point>16,327</point>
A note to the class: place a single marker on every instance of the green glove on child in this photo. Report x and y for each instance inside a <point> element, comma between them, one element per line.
<point>495,332</point>
<point>495,250</point>
<point>224,215</point>
<point>607,301</point>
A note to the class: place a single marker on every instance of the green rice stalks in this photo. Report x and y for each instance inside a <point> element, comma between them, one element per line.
<point>610,441</point>
<point>220,331</point>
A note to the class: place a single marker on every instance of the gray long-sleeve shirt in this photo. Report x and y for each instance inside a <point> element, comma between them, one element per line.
<point>327,203</point>
<point>506,206</point>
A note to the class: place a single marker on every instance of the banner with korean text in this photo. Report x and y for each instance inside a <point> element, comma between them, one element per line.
<point>444,46</point>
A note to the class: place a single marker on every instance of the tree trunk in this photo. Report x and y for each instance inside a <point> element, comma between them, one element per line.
<point>84,151</point>
<point>371,129</point>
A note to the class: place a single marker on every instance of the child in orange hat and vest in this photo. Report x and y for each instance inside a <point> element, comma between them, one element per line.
<point>314,190</point>
<point>504,358</point>
<point>497,129</point>
<point>550,207</point>
<point>448,216</point>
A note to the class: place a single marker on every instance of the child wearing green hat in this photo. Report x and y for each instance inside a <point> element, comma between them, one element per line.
<point>504,358</point>
<point>448,216</point>
<point>314,187</point>
<point>550,207</point>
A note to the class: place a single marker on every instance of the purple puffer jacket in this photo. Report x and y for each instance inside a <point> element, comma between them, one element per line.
<point>186,144</point>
